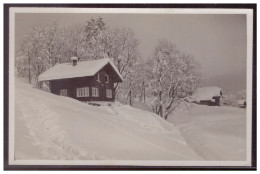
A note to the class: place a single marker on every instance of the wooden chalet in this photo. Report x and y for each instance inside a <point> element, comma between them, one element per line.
<point>85,81</point>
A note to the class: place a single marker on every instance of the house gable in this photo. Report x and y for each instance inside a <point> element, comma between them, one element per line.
<point>109,71</point>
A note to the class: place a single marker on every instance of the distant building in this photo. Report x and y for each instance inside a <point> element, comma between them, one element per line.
<point>241,103</point>
<point>85,81</point>
<point>208,96</point>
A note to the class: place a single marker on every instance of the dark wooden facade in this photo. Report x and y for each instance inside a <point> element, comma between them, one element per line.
<point>216,102</point>
<point>72,84</point>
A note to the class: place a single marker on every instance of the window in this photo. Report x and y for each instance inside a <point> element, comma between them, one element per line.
<point>95,92</point>
<point>106,78</point>
<point>109,93</point>
<point>98,77</point>
<point>63,92</point>
<point>83,92</point>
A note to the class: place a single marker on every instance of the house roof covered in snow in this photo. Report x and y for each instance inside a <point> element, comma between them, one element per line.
<point>241,102</point>
<point>207,93</point>
<point>82,69</point>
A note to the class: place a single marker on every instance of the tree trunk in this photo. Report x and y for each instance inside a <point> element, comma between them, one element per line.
<point>159,111</point>
<point>142,97</point>
<point>29,68</point>
<point>160,106</point>
<point>40,84</point>
<point>144,92</point>
<point>130,98</point>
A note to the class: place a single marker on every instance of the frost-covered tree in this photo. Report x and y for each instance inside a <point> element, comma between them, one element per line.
<point>40,49</point>
<point>133,87</point>
<point>30,51</point>
<point>81,39</point>
<point>75,42</point>
<point>94,27</point>
<point>46,45</point>
<point>53,44</point>
<point>118,44</point>
<point>173,77</point>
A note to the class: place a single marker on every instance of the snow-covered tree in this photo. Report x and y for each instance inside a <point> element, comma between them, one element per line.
<point>46,45</point>
<point>75,41</point>
<point>40,49</point>
<point>30,51</point>
<point>133,87</point>
<point>81,39</point>
<point>173,77</point>
<point>118,44</point>
<point>53,43</point>
<point>123,50</point>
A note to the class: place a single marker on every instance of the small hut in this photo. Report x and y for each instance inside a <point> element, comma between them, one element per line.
<point>211,96</point>
<point>241,103</point>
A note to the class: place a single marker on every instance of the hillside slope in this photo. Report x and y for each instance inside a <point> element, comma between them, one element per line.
<point>48,126</point>
<point>216,133</point>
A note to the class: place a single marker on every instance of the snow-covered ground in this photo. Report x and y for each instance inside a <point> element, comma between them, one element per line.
<point>48,126</point>
<point>216,133</point>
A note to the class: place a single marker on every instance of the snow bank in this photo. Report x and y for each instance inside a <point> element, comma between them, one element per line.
<point>206,93</point>
<point>215,133</point>
<point>64,128</point>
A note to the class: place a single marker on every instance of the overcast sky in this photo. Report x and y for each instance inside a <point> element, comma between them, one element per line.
<point>217,41</point>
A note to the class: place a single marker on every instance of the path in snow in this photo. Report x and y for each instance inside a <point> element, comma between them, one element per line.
<point>63,128</point>
<point>216,133</point>
<point>23,143</point>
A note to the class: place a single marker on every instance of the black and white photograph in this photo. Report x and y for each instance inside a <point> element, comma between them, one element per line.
<point>130,86</point>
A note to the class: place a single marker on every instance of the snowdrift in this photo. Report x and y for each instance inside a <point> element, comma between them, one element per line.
<point>53,127</point>
<point>215,133</point>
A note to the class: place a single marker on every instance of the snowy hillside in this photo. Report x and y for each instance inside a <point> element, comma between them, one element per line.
<point>216,133</point>
<point>48,126</point>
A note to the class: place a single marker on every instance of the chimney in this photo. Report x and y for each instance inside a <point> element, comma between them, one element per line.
<point>74,60</point>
